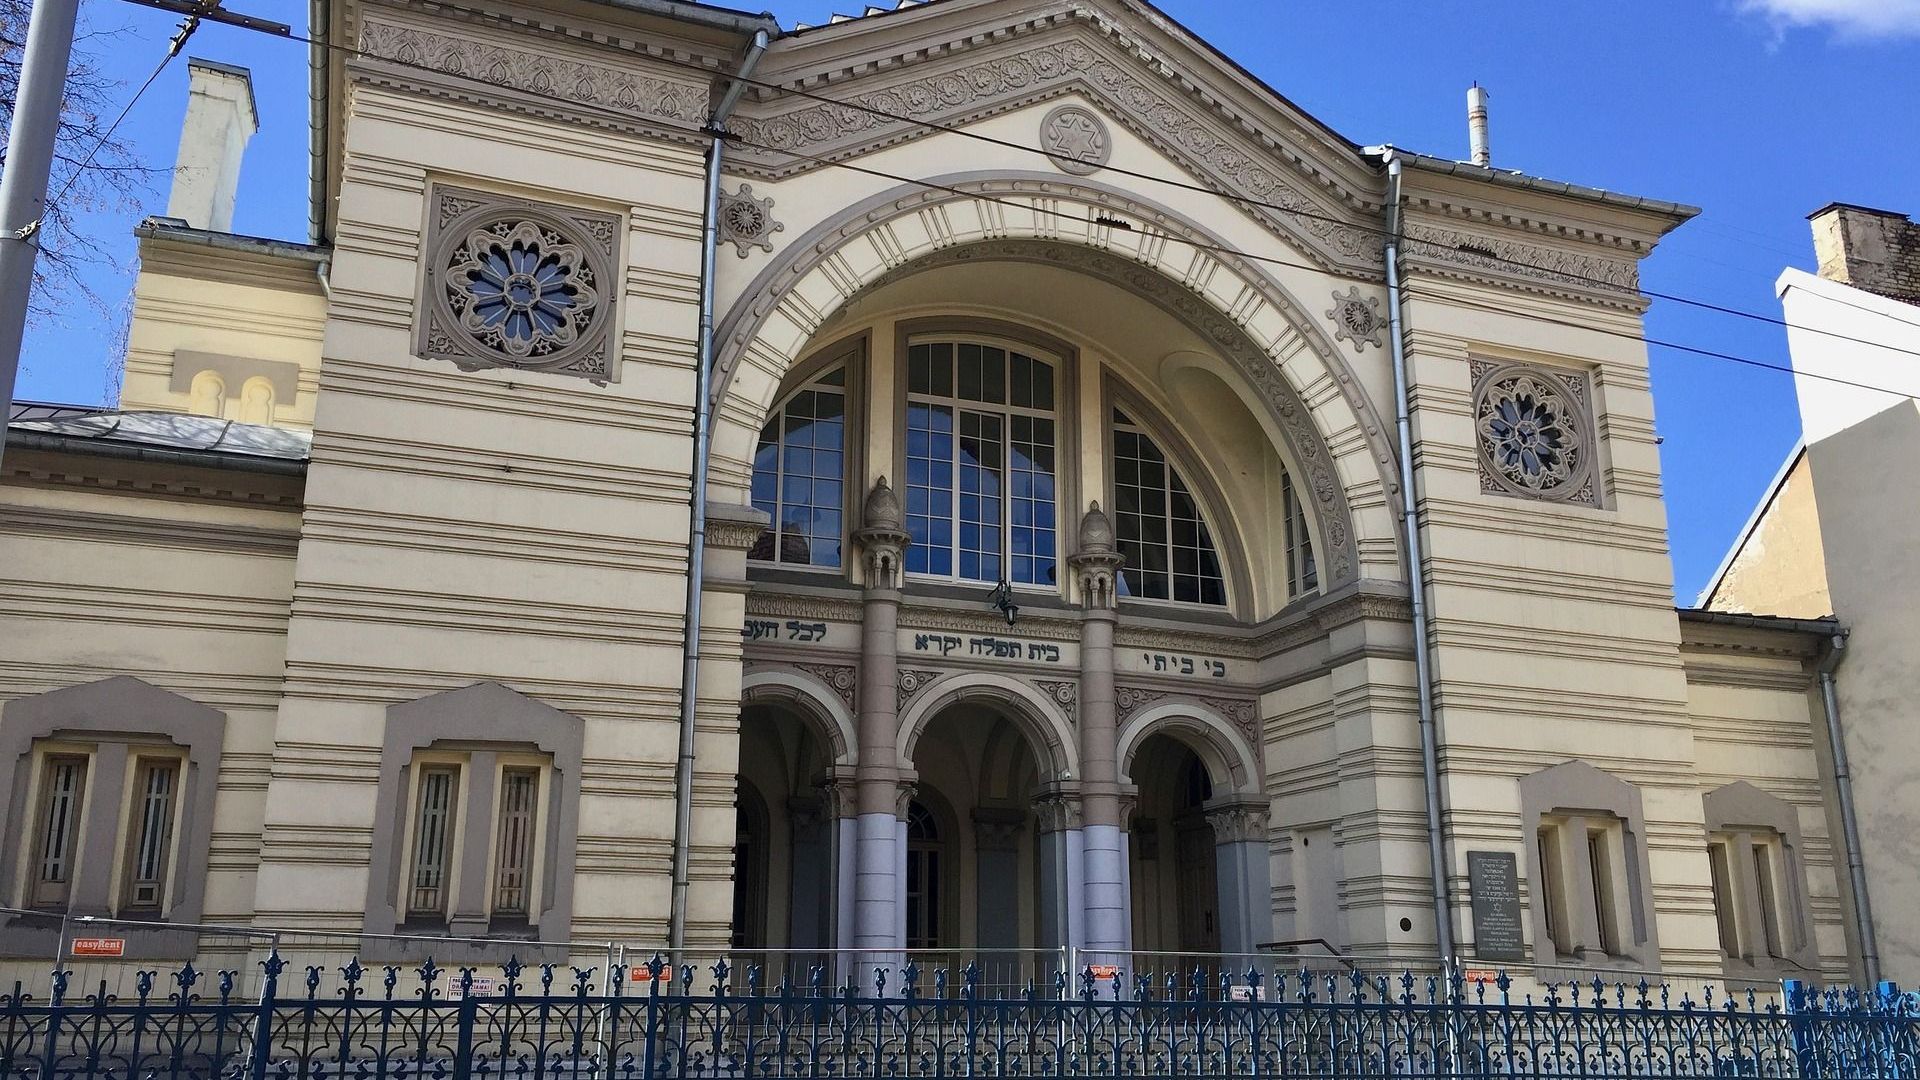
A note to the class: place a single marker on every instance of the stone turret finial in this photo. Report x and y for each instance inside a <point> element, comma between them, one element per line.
<point>1096,531</point>
<point>882,510</point>
<point>1096,565</point>
<point>882,536</point>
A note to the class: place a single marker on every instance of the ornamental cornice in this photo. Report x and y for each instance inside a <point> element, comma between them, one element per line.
<point>798,606</point>
<point>1316,623</point>
<point>1168,639</point>
<point>1489,259</point>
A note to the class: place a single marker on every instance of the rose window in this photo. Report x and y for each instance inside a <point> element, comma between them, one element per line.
<point>1528,433</point>
<point>522,289</point>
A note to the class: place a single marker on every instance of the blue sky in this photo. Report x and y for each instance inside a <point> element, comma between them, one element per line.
<point>1760,111</point>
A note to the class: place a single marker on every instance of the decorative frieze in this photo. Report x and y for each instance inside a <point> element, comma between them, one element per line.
<point>842,679</point>
<point>1128,700</point>
<point>908,683</point>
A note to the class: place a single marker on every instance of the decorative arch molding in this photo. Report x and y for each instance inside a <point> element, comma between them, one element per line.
<point>911,229</point>
<point>1232,763</point>
<point>806,695</point>
<point>1037,716</point>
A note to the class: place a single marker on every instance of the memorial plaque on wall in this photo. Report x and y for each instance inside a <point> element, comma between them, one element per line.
<point>1494,877</point>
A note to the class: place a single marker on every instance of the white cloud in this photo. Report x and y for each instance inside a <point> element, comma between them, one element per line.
<point>1848,18</point>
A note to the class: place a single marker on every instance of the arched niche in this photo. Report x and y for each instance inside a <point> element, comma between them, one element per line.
<point>1231,762</point>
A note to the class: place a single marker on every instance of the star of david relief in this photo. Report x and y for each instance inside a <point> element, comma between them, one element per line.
<point>747,222</point>
<point>1357,319</point>
<point>1075,140</point>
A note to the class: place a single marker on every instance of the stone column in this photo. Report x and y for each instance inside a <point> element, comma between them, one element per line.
<point>1245,878</point>
<point>841,798</point>
<point>1058,810</point>
<point>880,856</point>
<point>1104,899</point>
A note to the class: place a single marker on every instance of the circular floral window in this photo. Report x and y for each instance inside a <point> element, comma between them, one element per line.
<point>1533,434</point>
<point>517,285</point>
<point>521,289</point>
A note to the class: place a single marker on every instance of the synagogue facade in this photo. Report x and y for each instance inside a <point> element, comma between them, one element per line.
<point>1050,561</point>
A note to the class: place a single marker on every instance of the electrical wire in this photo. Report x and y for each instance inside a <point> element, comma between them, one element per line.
<point>1243,200</point>
<point>1125,226</point>
<point>174,45</point>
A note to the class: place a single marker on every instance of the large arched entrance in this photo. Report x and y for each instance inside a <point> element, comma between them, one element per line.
<point>1176,897</point>
<point>785,852</point>
<point>976,853</point>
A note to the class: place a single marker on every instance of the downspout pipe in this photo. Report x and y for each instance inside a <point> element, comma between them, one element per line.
<point>697,531</point>
<point>1836,652</point>
<point>1416,569</point>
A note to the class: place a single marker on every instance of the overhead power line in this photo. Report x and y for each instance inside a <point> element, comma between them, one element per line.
<point>1125,226</point>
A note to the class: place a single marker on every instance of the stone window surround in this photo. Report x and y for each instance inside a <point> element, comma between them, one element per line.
<point>234,371</point>
<point>1577,789</point>
<point>1584,381</point>
<point>484,721</point>
<point>1742,809</point>
<point>116,717</point>
<point>438,333</point>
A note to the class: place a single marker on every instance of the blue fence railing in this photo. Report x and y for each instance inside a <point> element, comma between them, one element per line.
<point>661,1023</point>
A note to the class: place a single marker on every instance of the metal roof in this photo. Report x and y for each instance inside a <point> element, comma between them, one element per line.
<point>167,437</point>
<point>48,410</point>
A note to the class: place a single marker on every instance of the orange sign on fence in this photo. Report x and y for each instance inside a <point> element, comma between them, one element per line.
<point>98,946</point>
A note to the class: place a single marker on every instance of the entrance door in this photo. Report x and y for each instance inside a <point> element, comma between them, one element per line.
<point>1199,898</point>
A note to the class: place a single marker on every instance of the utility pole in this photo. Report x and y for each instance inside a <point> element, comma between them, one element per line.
<point>23,186</point>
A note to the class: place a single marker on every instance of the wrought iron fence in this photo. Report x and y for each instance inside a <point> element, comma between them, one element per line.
<point>653,1021</point>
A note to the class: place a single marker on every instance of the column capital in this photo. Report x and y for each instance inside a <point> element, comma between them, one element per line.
<point>1058,810</point>
<point>903,794</point>
<point>882,537</point>
<point>1096,562</point>
<point>1238,821</point>
<point>998,828</point>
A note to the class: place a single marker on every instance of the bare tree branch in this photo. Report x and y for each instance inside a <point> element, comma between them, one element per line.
<point>113,181</point>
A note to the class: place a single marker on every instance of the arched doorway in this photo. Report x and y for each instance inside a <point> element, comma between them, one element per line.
<point>975,853</point>
<point>785,856</point>
<point>1175,871</point>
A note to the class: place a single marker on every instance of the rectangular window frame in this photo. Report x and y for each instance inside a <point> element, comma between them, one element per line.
<point>1725,913</point>
<point>542,769</point>
<point>132,826</point>
<point>1570,846</point>
<point>1303,567</point>
<point>1059,416</point>
<point>423,763</point>
<point>45,755</point>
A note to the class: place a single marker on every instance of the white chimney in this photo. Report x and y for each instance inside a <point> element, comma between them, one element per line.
<point>220,120</point>
<point>1477,125</point>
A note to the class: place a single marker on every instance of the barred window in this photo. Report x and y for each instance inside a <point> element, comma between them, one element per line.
<point>457,795</point>
<point>1164,538</point>
<point>799,472</point>
<point>156,795</point>
<point>63,786</point>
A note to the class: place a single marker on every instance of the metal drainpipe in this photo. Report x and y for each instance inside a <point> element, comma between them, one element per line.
<point>1849,823</point>
<point>697,533</point>
<point>1416,573</point>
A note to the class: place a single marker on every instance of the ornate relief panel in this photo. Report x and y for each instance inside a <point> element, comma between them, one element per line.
<point>1535,432</point>
<point>517,284</point>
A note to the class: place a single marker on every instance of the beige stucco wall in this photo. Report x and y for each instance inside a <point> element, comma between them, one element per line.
<point>247,316</point>
<point>180,577</point>
<point>1781,568</point>
<point>530,528</point>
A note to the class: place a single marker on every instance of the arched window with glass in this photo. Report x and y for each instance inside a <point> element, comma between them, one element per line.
<point>1162,534</point>
<point>981,442</point>
<point>799,471</point>
<point>924,851</point>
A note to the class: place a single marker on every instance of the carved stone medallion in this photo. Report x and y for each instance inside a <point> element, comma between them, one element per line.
<point>1535,432</point>
<point>747,222</point>
<point>1075,140</point>
<point>1356,318</point>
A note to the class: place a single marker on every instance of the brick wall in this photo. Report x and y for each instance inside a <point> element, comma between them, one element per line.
<point>1875,250</point>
